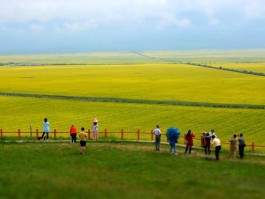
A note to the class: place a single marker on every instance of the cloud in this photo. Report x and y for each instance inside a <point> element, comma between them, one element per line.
<point>157,13</point>
<point>255,9</point>
<point>35,27</point>
<point>119,24</point>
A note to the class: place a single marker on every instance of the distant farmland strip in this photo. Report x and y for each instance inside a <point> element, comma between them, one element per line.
<point>137,101</point>
<point>228,69</point>
<point>205,66</point>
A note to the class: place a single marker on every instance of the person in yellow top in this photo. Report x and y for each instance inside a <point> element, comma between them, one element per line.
<point>83,138</point>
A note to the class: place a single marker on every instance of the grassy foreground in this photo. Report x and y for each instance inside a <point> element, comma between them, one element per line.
<point>112,170</point>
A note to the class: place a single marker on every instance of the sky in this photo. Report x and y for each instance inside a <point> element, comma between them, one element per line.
<point>72,26</point>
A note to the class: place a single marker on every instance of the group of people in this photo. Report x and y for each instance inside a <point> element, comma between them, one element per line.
<point>83,135</point>
<point>208,140</point>
<point>73,133</point>
<point>233,146</point>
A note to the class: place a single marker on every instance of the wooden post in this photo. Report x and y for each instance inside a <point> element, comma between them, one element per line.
<point>252,145</point>
<point>105,132</point>
<point>122,134</point>
<point>152,135</point>
<point>37,134</point>
<point>1,133</point>
<point>89,134</point>
<point>138,134</point>
<point>54,133</point>
<point>18,134</point>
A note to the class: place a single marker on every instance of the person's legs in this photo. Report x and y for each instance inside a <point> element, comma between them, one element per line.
<point>234,152</point>
<point>217,151</point>
<point>74,138</point>
<point>241,151</point>
<point>171,147</point>
<point>175,149</point>
<point>42,135</point>
<point>47,133</point>
<point>158,144</point>
<point>190,150</point>
<point>186,148</point>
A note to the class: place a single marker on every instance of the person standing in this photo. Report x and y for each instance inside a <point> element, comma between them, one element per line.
<point>207,144</point>
<point>189,141</point>
<point>73,133</point>
<point>217,145</point>
<point>95,129</point>
<point>241,146</point>
<point>83,139</point>
<point>172,143</point>
<point>157,133</point>
<point>46,129</point>
<point>173,136</point>
<point>233,145</point>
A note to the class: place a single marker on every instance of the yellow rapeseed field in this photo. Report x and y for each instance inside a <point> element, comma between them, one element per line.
<point>178,82</point>
<point>136,77</point>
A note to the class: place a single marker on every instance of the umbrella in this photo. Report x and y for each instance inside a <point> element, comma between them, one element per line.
<point>173,133</point>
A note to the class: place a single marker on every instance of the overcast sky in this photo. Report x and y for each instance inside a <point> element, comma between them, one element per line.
<point>49,26</point>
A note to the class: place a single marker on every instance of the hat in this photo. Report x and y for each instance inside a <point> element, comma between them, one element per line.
<point>95,120</point>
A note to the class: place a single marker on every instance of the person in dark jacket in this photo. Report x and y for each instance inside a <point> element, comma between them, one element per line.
<point>241,146</point>
<point>189,141</point>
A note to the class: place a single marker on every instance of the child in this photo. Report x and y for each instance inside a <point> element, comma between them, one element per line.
<point>83,138</point>
<point>95,129</point>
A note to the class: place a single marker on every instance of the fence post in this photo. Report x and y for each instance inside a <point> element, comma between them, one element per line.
<point>252,145</point>
<point>89,134</point>
<point>1,133</point>
<point>105,132</point>
<point>138,134</point>
<point>152,135</point>
<point>18,134</point>
<point>122,134</point>
<point>37,134</point>
<point>54,133</point>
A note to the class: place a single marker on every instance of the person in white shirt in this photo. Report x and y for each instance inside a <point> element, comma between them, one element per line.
<point>211,133</point>
<point>157,133</point>
<point>217,144</point>
<point>46,129</point>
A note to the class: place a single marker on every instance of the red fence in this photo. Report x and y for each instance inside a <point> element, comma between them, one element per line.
<point>144,136</point>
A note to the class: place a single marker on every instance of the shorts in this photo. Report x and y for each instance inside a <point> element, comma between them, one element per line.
<point>82,143</point>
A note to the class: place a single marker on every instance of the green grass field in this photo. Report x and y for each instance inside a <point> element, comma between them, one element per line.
<point>57,170</point>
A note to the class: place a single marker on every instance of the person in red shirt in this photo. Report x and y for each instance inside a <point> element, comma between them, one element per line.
<point>73,133</point>
<point>189,141</point>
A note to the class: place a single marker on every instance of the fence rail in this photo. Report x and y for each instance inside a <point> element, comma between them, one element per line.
<point>107,134</point>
